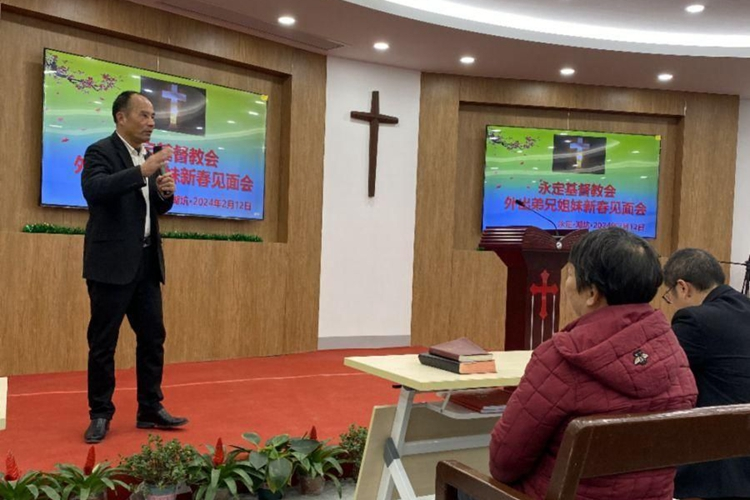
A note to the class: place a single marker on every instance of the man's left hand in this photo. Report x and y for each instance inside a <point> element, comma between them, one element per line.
<point>165,185</point>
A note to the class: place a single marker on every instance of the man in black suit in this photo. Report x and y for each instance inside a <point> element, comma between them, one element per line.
<point>123,263</point>
<point>713,326</point>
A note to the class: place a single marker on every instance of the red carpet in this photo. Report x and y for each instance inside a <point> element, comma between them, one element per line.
<point>47,414</point>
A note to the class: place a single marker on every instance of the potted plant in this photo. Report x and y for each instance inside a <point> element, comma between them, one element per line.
<point>217,474</point>
<point>353,442</point>
<point>160,467</point>
<point>314,464</point>
<point>273,462</point>
<point>90,483</point>
<point>17,486</point>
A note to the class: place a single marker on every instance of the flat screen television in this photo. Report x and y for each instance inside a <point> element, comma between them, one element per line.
<point>218,134</point>
<point>578,179</point>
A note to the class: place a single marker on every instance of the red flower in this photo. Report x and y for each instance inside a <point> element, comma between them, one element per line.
<point>314,433</point>
<point>219,453</point>
<point>88,467</point>
<point>11,468</point>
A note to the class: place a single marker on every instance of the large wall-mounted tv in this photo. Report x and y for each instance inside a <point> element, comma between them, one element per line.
<point>218,134</point>
<point>579,179</point>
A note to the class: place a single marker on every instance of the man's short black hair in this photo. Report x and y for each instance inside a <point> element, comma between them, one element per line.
<point>621,265</point>
<point>122,102</point>
<point>696,266</point>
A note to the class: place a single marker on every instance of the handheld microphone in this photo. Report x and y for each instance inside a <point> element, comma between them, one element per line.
<point>158,148</point>
<point>558,238</point>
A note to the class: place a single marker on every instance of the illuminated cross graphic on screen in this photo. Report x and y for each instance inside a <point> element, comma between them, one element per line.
<point>579,147</point>
<point>175,97</point>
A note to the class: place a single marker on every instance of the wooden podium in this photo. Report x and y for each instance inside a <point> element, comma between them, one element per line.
<point>535,259</point>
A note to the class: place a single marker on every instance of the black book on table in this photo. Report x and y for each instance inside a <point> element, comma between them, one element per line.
<point>456,366</point>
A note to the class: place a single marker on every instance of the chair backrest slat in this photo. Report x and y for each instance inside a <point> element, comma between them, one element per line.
<point>615,444</point>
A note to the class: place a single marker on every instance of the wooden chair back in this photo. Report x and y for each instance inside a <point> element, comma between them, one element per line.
<point>605,445</point>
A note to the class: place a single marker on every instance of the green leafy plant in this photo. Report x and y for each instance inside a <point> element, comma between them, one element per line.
<point>317,458</point>
<point>353,442</point>
<point>90,482</point>
<point>182,235</point>
<point>47,228</point>
<point>274,461</point>
<point>160,465</point>
<point>17,486</point>
<point>217,469</point>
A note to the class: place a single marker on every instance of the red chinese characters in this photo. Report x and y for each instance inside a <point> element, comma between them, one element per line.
<point>588,206</point>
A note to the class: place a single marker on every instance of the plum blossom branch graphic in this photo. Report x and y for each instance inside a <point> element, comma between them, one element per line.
<point>82,82</point>
<point>509,144</point>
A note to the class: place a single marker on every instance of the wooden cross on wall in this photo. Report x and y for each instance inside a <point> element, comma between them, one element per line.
<point>375,119</point>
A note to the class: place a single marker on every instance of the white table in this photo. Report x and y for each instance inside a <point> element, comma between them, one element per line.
<point>407,371</point>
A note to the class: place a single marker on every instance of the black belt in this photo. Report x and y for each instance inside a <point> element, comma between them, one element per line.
<point>147,242</point>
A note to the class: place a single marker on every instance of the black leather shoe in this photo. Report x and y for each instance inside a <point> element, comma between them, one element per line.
<point>97,430</point>
<point>159,420</point>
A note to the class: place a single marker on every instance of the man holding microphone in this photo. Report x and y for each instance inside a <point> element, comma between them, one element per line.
<point>126,190</point>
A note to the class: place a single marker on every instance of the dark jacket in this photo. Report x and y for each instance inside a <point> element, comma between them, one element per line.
<point>619,359</point>
<point>716,338</point>
<point>111,184</point>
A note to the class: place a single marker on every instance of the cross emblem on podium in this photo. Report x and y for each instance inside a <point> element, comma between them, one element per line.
<point>544,290</point>
<point>375,119</point>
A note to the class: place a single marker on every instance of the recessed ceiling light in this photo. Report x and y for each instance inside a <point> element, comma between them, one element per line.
<point>695,8</point>
<point>467,60</point>
<point>381,46</point>
<point>287,20</point>
<point>665,77</point>
<point>567,71</point>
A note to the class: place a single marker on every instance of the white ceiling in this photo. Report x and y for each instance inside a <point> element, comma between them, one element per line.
<point>425,41</point>
<point>652,26</point>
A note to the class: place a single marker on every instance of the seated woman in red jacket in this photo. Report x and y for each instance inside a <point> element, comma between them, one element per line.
<point>619,356</point>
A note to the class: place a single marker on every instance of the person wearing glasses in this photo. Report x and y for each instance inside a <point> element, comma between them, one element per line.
<point>712,324</point>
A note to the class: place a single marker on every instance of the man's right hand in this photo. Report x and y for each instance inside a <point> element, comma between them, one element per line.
<point>156,162</point>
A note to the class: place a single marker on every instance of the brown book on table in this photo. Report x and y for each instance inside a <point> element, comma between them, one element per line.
<point>455,366</point>
<point>461,350</point>
<point>482,401</point>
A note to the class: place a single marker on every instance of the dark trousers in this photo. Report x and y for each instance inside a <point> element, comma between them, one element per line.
<point>141,302</point>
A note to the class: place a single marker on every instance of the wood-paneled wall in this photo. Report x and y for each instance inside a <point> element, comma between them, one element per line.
<point>222,299</point>
<point>459,291</point>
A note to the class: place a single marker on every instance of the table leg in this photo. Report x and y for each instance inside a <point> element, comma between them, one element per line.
<point>398,436</point>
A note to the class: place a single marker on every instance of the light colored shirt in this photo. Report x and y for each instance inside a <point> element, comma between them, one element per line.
<point>139,157</point>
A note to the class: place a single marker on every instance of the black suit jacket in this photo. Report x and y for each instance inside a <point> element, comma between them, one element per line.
<point>716,339</point>
<point>112,185</point>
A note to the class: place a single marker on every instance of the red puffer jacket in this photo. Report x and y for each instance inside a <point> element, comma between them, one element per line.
<point>619,359</point>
